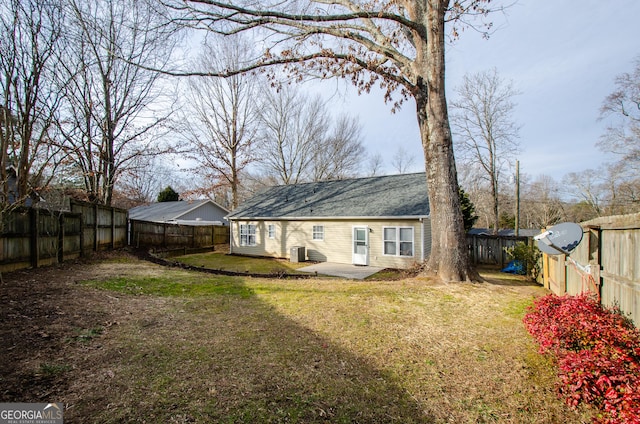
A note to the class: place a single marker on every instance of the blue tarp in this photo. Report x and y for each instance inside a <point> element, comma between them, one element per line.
<point>515,267</point>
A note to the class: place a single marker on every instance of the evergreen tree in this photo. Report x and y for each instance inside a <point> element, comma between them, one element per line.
<point>168,195</point>
<point>468,210</point>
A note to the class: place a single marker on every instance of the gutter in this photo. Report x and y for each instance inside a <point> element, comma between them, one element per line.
<point>327,218</point>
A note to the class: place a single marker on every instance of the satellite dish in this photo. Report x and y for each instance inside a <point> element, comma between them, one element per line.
<point>560,239</point>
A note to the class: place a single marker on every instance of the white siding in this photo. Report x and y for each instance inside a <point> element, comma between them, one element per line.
<point>337,244</point>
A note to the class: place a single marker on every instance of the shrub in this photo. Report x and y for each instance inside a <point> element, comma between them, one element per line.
<point>598,354</point>
<point>529,254</point>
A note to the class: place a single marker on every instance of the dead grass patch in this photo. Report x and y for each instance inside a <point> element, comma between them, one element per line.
<point>177,346</point>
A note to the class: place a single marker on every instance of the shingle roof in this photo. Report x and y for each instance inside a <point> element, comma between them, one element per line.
<point>165,211</point>
<point>523,232</point>
<point>386,196</point>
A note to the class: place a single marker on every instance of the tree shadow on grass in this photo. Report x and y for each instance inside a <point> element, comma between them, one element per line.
<point>227,357</point>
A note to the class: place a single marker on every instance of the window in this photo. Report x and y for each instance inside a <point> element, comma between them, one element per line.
<point>397,241</point>
<point>318,232</point>
<point>247,235</point>
<point>271,230</point>
<point>389,240</point>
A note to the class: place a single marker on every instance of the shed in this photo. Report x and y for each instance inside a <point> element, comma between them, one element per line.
<point>185,212</point>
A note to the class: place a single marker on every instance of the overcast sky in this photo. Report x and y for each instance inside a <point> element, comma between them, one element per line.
<point>563,55</point>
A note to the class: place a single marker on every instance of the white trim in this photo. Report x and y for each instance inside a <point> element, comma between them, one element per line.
<point>398,242</point>
<point>366,241</point>
<point>313,232</point>
<point>248,235</point>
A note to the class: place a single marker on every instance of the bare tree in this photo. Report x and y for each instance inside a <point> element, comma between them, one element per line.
<point>484,128</point>
<point>220,117</point>
<point>29,100</point>
<point>542,204</point>
<point>622,136</point>
<point>620,184</point>
<point>374,164</point>
<point>111,117</point>
<point>402,160</point>
<point>301,142</point>
<point>479,192</point>
<point>398,44</point>
<point>293,127</point>
<point>142,180</point>
<point>587,186</point>
<point>340,153</point>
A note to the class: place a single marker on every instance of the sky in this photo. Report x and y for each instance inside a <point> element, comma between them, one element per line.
<point>562,55</point>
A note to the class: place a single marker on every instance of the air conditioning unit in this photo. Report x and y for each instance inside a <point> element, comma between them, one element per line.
<point>297,254</point>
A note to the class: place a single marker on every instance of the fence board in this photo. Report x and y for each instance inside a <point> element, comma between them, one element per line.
<point>611,246</point>
<point>36,237</point>
<point>166,235</point>
<point>489,249</point>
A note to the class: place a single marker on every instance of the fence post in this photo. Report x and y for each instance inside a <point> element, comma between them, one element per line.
<point>95,228</point>
<point>113,228</point>
<point>164,237</point>
<point>61,238</point>
<point>34,215</point>
<point>82,251</point>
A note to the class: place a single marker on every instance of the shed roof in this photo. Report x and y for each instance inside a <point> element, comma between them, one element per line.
<point>388,196</point>
<point>167,211</point>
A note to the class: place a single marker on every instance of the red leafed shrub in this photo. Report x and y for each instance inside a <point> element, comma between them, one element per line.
<point>598,354</point>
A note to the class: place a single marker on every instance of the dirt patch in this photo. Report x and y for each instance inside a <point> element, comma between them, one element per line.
<point>47,320</point>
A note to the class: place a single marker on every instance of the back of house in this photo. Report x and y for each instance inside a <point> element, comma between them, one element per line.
<point>380,221</point>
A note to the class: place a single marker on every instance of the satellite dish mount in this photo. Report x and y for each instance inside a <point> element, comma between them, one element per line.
<point>562,239</point>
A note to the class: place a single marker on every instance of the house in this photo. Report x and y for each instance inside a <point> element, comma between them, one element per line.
<point>13,195</point>
<point>195,212</point>
<point>379,221</point>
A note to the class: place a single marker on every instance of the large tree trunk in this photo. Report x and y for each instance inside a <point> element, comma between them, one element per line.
<point>449,260</point>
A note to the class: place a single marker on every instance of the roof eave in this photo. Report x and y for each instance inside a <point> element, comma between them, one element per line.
<point>324,218</point>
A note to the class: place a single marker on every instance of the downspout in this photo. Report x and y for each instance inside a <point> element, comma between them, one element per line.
<point>422,240</point>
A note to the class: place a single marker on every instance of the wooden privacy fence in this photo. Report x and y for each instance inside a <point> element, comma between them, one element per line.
<point>610,246</point>
<point>33,237</point>
<point>168,235</point>
<point>488,249</point>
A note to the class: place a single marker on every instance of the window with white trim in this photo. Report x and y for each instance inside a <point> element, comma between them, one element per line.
<point>271,231</point>
<point>398,241</point>
<point>318,232</point>
<point>247,235</point>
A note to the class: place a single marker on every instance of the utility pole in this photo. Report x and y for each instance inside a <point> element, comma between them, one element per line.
<point>517,223</point>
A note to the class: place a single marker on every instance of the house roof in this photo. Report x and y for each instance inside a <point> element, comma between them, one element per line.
<point>391,196</point>
<point>523,232</point>
<point>167,211</point>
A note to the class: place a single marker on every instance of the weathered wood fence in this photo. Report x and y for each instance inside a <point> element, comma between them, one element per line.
<point>610,246</point>
<point>33,237</point>
<point>485,249</point>
<point>168,235</point>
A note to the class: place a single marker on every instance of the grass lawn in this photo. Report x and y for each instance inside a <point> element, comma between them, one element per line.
<point>173,346</point>
<point>246,264</point>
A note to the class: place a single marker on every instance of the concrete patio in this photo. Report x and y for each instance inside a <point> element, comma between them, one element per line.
<point>355,272</point>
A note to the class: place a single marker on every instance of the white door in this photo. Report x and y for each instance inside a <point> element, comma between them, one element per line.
<point>360,245</point>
